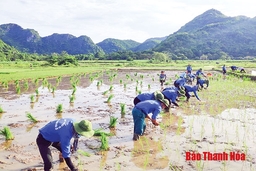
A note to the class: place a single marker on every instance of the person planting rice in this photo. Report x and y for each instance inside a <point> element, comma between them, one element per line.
<point>200,82</point>
<point>148,96</point>
<point>58,133</point>
<point>180,82</point>
<point>162,78</point>
<point>200,72</point>
<point>142,111</point>
<point>188,89</point>
<point>172,95</point>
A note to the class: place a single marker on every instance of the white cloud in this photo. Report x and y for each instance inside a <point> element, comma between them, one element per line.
<point>120,19</point>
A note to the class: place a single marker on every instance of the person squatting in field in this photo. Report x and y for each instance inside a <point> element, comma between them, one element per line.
<point>162,78</point>
<point>148,96</point>
<point>142,111</point>
<point>58,133</point>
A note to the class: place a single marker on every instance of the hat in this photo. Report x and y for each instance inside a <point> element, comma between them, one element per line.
<point>165,101</point>
<point>181,92</point>
<point>84,128</point>
<point>158,95</point>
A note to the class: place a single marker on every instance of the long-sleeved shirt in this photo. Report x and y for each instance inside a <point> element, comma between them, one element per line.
<point>201,82</point>
<point>146,96</point>
<point>193,89</point>
<point>171,95</point>
<point>61,130</point>
<point>189,69</point>
<point>150,106</point>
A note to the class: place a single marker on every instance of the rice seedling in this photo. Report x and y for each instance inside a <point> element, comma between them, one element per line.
<point>121,81</point>
<point>17,83</point>
<point>6,132</point>
<point>59,108</point>
<point>125,85</point>
<point>53,90</point>
<point>83,153</point>
<point>110,98</point>
<point>32,98</point>
<point>112,122</point>
<point>5,84</point>
<point>105,92</point>
<point>110,88</point>
<point>98,132</point>
<point>1,110</point>
<point>26,85</point>
<point>74,91</point>
<point>31,118</point>
<point>149,86</point>
<point>139,91</point>
<point>36,81</point>
<point>18,90</point>
<point>104,143</point>
<point>37,92</point>
<point>136,89</point>
<point>123,108</point>
<point>71,99</point>
<point>98,83</point>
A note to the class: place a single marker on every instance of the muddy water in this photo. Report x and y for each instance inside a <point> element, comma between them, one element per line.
<point>162,148</point>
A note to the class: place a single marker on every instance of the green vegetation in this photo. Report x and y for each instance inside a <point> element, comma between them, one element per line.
<point>6,132</point>
<point>59,108</point>
<point>104,142</point>
<point>112,122</point>
<point>1,110</point>
<point>99,132</point>
<point>31,118</point>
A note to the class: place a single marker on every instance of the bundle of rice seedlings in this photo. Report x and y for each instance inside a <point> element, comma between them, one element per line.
<point>110,98</point>
<point>122,105</point>
<point>59,108</point>
<point>112,122</point>
<point>31,118</point>
<point>6,132</point>
<point>104,142</point>
<point>98,132</point>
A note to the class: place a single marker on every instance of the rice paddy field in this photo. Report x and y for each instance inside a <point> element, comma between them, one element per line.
<point>217,133</point>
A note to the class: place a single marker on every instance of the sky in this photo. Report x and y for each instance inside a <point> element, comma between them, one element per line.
<point>136,20</point>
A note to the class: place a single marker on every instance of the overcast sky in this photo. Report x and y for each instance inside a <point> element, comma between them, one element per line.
<point>120,19</point>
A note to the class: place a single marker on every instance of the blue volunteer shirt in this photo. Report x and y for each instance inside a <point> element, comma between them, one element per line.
<point>170,94</point>
<point>61,130</point>
<point>171,88</point>
<point>162,76</point>
<point>193,89</point>
<point>189,68</point>
<point>146,96</point>
<point>150,106</point>
<point>181,81</point>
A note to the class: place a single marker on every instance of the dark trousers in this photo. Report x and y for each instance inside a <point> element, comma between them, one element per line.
<point>45,151</point>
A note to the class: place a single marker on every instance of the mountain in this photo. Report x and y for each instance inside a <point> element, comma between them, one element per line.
<point>114,45</point>
<point>148,44</point>
<point>28,40</point>
<point>212,35</point>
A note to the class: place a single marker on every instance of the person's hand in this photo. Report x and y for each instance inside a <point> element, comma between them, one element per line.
<point>155,122</point>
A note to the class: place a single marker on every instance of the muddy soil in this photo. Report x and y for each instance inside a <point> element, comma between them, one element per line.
<point>162,148</point>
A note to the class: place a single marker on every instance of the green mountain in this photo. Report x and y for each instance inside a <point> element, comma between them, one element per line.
<point>148,44</point>
<point>212,35</point>
<point>28,40</point>
<point>114,45</point>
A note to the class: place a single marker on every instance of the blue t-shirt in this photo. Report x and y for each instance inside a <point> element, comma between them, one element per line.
<point>170,94</point>
<point>146,96</point>
<point>61,130</point>
<point>150,106</point>
<point>181,81</point>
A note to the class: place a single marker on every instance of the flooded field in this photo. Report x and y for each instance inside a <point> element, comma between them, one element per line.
<point>196,136</point>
